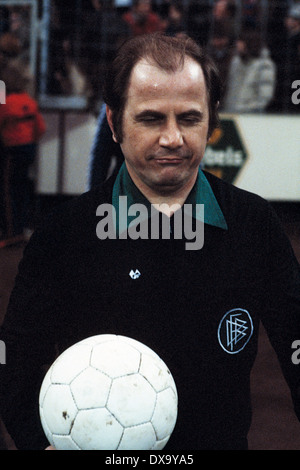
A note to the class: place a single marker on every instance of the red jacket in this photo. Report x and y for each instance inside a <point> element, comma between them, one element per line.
<point>152,23</point>
<point>20,120</point>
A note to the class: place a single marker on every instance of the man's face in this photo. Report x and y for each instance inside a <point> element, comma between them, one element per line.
<point>143,8</point>
<point>292,24</point>
<point>241,48</point>
<point>165,126</point>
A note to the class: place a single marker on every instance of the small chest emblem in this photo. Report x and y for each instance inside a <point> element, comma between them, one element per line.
<point>134,274</point>
<point>235,330</point>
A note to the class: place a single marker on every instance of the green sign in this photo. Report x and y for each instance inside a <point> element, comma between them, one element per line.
<point>225,154</point>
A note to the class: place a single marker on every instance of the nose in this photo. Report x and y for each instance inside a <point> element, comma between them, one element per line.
<point>171,135</point>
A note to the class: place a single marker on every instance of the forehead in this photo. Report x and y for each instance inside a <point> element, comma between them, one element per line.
<point>150,82</point>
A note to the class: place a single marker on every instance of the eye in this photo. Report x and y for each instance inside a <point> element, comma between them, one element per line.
<point>149,118</point>
<point>190,119</point>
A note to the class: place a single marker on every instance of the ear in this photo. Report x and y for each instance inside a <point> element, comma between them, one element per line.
<point>110,123</point>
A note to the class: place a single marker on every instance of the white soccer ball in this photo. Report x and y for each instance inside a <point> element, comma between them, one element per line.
<point>108,392</point>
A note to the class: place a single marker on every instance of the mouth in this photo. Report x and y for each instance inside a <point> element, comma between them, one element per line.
<point>169,160</point>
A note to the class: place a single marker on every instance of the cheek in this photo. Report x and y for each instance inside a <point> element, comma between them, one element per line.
<point>133,147</point>
<point>139,140</point>
<point>198,142</point>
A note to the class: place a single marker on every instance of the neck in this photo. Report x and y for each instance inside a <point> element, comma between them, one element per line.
<point>165,199</point>
<point>169,203</point>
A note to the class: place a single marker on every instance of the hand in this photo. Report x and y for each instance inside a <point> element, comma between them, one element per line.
<point>50,448</point>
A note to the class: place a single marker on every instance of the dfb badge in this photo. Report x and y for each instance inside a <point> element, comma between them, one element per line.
<point>235,330</point>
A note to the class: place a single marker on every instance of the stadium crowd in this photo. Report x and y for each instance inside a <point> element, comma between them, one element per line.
<point>255,43</point>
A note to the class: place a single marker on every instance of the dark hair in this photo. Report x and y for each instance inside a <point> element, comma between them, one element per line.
<point>168,52</point>
<point>253,42</point>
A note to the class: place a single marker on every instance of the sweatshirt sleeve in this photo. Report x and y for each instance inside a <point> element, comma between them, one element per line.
<point>281,316</point>
<point>28,335</point>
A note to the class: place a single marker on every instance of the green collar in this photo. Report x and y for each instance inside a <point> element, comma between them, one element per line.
<point>200,194</point>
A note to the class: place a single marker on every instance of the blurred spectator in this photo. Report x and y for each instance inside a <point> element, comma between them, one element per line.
<point>21,126</point>
<point>224,9</point>
<point>220,48</point>
<point>67,16</point>
<point>70,75</point>
<point>19,24</point>
<point>250,14</point>
<point>4,18</point>
<point>224,13</point>
<point>175,21</point>
<point>10,46</point>
<point>141,19</point>
<point>251,78</point>
<point>63,61</point>
<point>57,74</point>
<point>161,7</point>
<point>199,21</point>
<point>106,156</point>
<point>103,30</point>
<point>82,42</point>
<point>276,36</point>
<point>10,52</point>
<point>292,60</point>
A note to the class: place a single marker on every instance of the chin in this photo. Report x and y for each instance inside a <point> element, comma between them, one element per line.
<point>168,183</point>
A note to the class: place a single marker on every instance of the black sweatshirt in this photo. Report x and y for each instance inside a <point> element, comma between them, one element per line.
<point>198,309</point>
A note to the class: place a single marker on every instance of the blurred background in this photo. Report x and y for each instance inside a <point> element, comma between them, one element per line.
<point>54,53</point>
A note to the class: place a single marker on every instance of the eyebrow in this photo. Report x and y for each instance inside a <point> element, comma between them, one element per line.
<point>150,112</point>
<point>192,113</point>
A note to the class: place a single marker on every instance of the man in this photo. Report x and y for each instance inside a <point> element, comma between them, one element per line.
<point>141,19</point>
<point>199,306</point>
<point>220,48</point>
<point>251,76</point>
<point>102,31</point>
